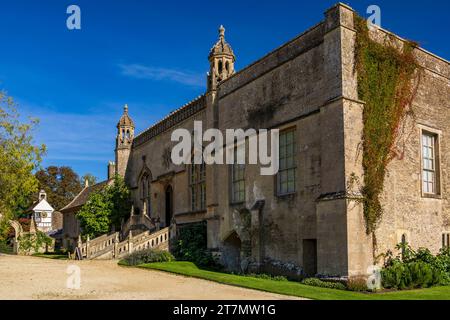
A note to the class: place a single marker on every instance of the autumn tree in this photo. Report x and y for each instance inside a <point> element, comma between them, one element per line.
<point>61,184</point>
<point>19,158</point>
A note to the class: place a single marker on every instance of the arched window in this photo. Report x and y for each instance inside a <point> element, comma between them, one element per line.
<point>227,66</point>
<point>146,191</point>
<point>220,66</point>
<point>128,135</point>
<point>197,184</point>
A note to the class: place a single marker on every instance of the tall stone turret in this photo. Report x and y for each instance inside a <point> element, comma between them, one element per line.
<point>124,140</point>
<point>221,59</point>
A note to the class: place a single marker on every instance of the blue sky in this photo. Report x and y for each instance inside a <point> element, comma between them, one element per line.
<point>153,56</point>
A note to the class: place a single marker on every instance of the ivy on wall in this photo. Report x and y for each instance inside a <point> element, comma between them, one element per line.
<point>386,84</point>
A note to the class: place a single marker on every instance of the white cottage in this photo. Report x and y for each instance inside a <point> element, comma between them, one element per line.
<point>42,213</point>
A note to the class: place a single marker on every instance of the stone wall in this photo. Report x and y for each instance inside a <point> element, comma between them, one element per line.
<point>310,84</point>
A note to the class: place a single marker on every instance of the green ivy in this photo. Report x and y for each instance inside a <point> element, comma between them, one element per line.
<point>385,84</point>
<point>33,242</point>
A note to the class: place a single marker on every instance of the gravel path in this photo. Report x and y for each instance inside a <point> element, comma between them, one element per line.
<point>40,278</point>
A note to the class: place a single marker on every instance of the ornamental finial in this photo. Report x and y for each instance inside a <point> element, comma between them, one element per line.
<point>221,31</point>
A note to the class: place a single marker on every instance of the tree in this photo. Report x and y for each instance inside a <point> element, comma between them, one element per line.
<point>61,184</point>
<point>119,195</point>
<point>94,216</point>
<point>19,158</point>
<point>90,178</point>
<point>105,209</point>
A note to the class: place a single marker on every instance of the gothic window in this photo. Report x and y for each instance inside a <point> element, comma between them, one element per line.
<point>286,177</point>
<point>197,186</point>
<point>146,191</point>
<point>227,66</point>
<point>430,166</point>
<point>237,181</point>
<point>220,66</point>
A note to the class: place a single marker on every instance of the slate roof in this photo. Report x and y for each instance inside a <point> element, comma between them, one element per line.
<point>83,196</point>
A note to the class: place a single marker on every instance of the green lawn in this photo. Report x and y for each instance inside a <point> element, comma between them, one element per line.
<point>292,288</point>
<point>55,256</point>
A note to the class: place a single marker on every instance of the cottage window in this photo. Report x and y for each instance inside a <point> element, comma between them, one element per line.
<point>286,177</point>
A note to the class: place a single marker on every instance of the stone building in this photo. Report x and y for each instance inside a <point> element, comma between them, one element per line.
<point>71,226</point>
<point>302,220</point>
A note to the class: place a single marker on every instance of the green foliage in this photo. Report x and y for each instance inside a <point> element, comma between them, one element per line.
<point>267,276</point>
<point>323,284</point>
<point>5,247</point>
<point>19,157</point>
<point>119,196</point>
<point>416,269</point>
<point>385,84</point>
<point>191,246</point>
<point>31,243</point>
<point>105,209</point>
<point>147,256</point>
<point>61,184</point>
<point>94,216</point>
<point>357,284</point>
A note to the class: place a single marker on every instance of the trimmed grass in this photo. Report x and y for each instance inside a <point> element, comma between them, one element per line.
<point>292,288</point>
<point>55,256</point>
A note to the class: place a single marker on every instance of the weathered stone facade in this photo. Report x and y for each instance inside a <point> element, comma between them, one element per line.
<point>308,84</point>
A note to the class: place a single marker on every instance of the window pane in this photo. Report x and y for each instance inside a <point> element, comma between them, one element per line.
<point>287,154</point>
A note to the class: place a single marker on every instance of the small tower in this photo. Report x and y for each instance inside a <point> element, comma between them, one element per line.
<point>124,140</point>
<point>42,195</point>
<point>221,59</point>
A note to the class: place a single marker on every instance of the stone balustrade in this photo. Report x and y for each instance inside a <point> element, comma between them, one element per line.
<point>110,247</point>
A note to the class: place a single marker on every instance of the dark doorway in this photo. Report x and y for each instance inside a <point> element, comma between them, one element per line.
<point>310,257</point>
<point>232,253</point>
<point>169,205</point>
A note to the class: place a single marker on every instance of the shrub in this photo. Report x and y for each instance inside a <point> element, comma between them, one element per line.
<point>419,269</point>
<point>357,284</point>
<point>5,247</point>
<point>31,243</point>
<point>323,284</point>
<point>267,276</point>
<point>191,246</point>
<point>148,256</point>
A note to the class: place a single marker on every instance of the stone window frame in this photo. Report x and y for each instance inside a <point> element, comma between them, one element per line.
<point>197,186</point>
<point>146,185</point>
<point>445,239</point>
<point>237,181</point>
<point>293,167</point>
<point>425,130</point>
